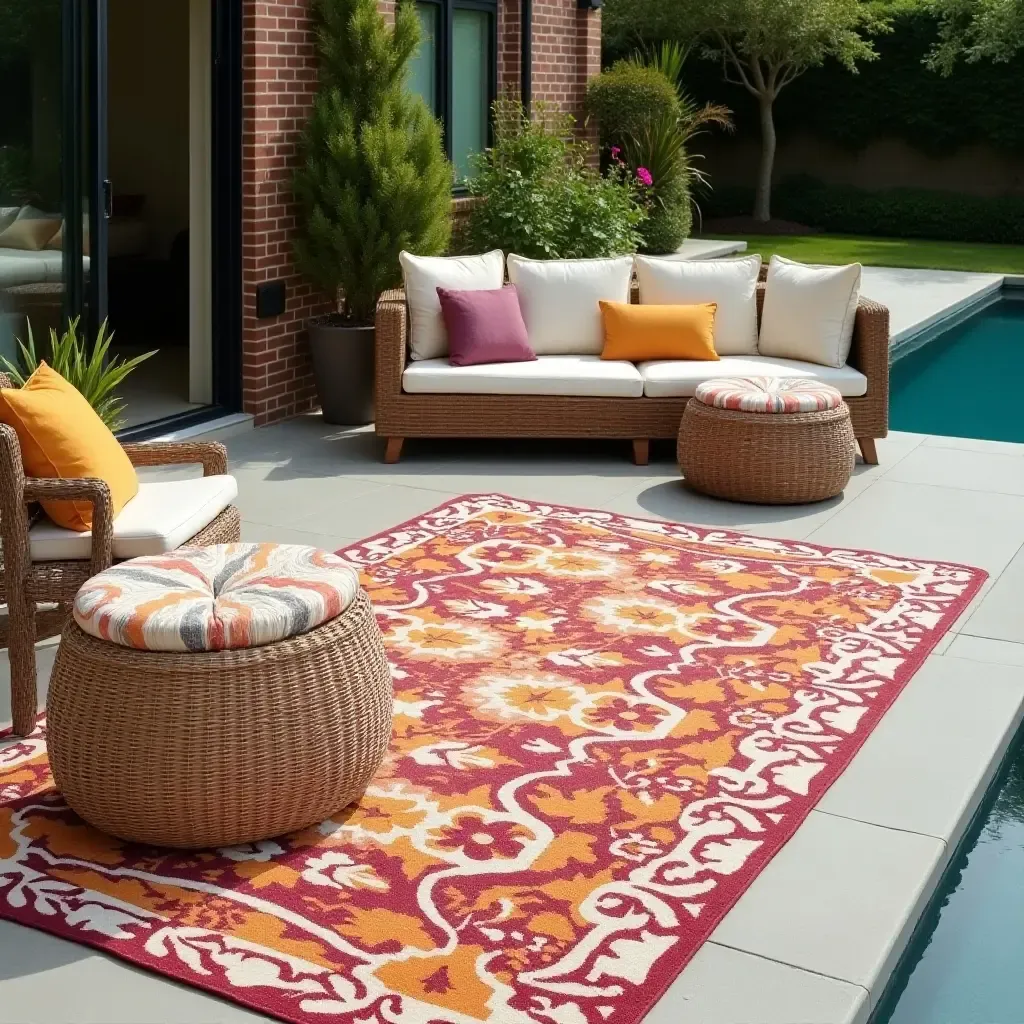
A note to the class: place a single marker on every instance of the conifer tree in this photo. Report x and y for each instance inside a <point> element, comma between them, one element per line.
<point>373,178</point>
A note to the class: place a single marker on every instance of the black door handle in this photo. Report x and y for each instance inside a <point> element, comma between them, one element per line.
<point>108,198</point>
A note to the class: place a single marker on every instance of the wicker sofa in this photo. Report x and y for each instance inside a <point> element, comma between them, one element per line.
<point>401,414</point>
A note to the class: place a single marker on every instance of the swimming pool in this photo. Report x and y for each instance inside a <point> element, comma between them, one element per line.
<point>965,964</point>
<point>931,388</point>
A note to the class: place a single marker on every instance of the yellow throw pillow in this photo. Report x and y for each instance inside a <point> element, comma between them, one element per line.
<point>30,230</point>
<point>62,437</point>
<point>636,333</point>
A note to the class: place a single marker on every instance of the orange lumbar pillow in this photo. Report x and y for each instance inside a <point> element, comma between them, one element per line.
<point>62,437</point>
<point>636,333</point>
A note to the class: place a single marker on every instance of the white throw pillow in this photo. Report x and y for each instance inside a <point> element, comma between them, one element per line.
<point>559,300</point>
<point>809,312</point>
<point>730,283</point>
<point>428,338</point>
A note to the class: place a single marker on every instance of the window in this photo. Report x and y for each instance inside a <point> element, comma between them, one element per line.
<point>455,71</point>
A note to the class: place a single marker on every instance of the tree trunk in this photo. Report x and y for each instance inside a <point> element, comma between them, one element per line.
<point>763,198</point>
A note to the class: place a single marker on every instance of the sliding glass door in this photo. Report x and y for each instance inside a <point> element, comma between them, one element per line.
<point>48,73</point>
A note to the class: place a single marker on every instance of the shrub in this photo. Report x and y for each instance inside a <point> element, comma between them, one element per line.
<point>539,197</point>
<point>85,366</point>
<point>887,213</point>
<point>627,98</point>
<point>373,178</point>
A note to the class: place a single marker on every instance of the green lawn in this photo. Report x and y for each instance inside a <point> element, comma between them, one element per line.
<point>889,252</point>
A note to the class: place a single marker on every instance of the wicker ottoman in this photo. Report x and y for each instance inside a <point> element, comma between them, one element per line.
<point>218,695</point>
<point>767,440</point>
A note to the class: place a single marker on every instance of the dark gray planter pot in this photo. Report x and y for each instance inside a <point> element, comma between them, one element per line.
<point>343,370</point>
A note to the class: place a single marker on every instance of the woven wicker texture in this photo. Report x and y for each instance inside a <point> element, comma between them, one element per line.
<point>785,459</point>
<point>401,415</point>
<point>26,585</point>
<point>224,747</point>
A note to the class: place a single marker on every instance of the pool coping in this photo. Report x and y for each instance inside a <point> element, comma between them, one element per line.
<point>903,343</point>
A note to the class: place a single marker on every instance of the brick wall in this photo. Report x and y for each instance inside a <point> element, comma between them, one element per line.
<point>279,75</point>
<point>279,70</point>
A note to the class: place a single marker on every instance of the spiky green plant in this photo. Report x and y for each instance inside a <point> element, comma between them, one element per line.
<point>86,367</point>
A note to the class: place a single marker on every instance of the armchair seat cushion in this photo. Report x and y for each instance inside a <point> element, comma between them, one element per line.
<point>161,517</point>
<point>679,378</point>
<point>564,376</point>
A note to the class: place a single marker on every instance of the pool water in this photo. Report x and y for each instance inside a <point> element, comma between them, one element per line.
<point>965,383</point>
<point>966,965</point>
<point>968,969</point>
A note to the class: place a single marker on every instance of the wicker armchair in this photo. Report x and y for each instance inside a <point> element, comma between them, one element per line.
<point>38,594</point>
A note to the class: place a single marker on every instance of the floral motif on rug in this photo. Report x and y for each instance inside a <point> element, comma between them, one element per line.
<point>604,728</point>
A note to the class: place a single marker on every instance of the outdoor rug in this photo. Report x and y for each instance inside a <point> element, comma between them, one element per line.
<point>605,727</point>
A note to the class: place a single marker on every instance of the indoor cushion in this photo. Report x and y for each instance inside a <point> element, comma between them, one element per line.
<point>658,332</point>
<point>484,326</point>
<point>161,517</point>
<point>809,312</point>
<point>769,394</point>
<point>559,300</point>
<point>428,336</point>
<point>569,376</point>
<point>61,436</point>
<point>731,283</point>
<point>223,597</point>
<point>7,215</point>
<point>31,229</point>
<point>680,378</point>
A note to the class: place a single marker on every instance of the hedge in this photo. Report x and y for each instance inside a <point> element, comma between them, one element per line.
<point>895,96</point>
<point>627,97</point>
<point>886,213</point>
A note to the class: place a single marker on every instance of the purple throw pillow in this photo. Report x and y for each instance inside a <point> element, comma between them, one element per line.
<point>485,326</point>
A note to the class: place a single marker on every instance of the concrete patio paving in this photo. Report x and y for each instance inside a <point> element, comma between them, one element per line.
<point>818,934</point>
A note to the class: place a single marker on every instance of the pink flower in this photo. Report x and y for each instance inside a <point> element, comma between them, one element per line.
<point>615,152</point>
<point>644,176</point>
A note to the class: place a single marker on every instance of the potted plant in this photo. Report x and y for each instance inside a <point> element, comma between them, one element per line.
<point>88,368</point>
<point>372,180</point>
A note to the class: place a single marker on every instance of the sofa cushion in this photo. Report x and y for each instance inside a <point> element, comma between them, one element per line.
<point>31,229</point>
<point>679,378</point>
<point>569,376</point>
<point>161,517</point>
<point>731,284</point>
<point>484,326</point>
<point>559,300</point>
<point>428,337</point>
<point>809,312</point>
<point>638,333</point>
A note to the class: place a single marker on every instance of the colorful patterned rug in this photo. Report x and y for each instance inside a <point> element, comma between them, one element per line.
<point>604,729</point>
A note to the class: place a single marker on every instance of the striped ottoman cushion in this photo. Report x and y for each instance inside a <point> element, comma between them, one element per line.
<point>769,394</point>
<point>218,598</point>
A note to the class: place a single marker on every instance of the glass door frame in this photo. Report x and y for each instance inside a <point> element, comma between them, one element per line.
<point>88,191</point>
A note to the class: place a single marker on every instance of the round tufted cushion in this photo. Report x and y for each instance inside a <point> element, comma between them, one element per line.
<point>223,597</point>
<point>769,394</point>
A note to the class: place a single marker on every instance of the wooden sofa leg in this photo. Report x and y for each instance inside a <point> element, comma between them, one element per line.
<point>641,451</point>
<point>393,450</point>
<point>867,449</point>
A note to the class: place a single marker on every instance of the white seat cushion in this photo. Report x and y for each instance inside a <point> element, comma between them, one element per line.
<point>679,378</point>
<point>423,275</point>
<point>559,300</point>
<point>569,376</point>
<point>731,284</point>
<point>809,312</point>
<point>161,517</point>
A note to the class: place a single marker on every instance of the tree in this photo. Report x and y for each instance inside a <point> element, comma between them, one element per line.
<point>976,30</point>
<point>762,46</point>
<point>373,178</point>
